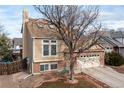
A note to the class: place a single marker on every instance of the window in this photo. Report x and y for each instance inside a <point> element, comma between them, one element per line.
<point>48,66</point>
<point>53,41</point>
<point>49,47</point>
<point>44,67</point>
<point>53,49</point>
<point>53,66</point>
<point>45,50</point>
<point>46,41</point>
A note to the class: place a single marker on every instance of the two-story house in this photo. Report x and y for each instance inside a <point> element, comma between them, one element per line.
<point>46,52</point>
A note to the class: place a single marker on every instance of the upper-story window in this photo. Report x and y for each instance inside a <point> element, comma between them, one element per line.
<point>49,47</point>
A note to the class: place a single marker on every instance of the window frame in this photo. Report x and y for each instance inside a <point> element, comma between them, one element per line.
<point>53,63</point>
<point>44,67</point>
<point>49,66</point>
<point>49,45</point>
<point>48,49</point>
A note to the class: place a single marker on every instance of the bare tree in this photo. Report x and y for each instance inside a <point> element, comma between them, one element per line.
<point>75,25</point>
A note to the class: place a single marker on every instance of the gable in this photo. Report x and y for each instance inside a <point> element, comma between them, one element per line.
<point>96,47</point>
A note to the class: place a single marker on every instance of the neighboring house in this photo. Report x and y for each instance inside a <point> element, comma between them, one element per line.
<point>118,35</point>
<point>17,43</point>
<point>112,41</point>
<point>17,47</point>
<point>45,52</point>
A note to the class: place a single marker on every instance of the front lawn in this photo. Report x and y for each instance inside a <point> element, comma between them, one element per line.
<point>52,80</point>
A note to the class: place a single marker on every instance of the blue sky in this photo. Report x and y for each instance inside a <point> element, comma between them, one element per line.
<point>111,17</point>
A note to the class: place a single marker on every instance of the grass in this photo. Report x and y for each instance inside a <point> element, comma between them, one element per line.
<point>60,84</point>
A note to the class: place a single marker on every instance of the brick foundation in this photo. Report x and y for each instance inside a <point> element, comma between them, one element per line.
<point>36,66</point>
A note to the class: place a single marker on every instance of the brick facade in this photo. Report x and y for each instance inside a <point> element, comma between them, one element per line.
<point>36,66</point>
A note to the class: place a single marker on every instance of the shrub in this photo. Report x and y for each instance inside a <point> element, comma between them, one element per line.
<point>114,59</point>
<point>8,57</point>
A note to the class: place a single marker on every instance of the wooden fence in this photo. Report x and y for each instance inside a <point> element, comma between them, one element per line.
<point>12,67</point>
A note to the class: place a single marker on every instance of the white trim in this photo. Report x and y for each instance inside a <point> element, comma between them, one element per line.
<point>47,60</point>
<point>45,64</point>
<point>45,38</point>
<point>36,73</point>
<point>50,48</point>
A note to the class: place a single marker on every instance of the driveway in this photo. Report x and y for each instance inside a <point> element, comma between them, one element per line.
<point>12,81</point>
<point>106,75</point>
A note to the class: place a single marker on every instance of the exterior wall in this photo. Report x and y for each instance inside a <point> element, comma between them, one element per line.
<point>121,51</point>
<point>38,56</point>
<point>108,48</point>
<point>26,43</point>
<point>61,62</point>
<point>36,67</point>
<point>28,48</point>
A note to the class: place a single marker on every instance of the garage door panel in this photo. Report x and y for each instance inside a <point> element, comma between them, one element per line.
<point>88,62</point>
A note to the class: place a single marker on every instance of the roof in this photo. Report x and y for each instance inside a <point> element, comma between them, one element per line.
<point>117,34</point>
<point>111,41</point>
<point>17,41</point>
<point>112,34</point>
<point>39,28</point>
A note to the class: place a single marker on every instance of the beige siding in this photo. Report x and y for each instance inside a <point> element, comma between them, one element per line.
<point>38,56</point>
<point>37,49</point>
<point>27,44</point>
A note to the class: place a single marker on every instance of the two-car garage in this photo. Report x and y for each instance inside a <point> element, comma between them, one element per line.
<point>88,61</point>
<point>92,58</point>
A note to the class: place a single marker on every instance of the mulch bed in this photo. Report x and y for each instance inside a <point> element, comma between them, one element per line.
<point>82,76</point>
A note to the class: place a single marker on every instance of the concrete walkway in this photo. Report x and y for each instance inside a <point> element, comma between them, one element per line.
<point>12,81</point>
<point>106,75</point>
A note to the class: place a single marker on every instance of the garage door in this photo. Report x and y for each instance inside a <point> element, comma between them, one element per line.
<point>88,61</point>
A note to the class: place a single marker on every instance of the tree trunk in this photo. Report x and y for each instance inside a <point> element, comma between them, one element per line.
<point>72,62</point>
